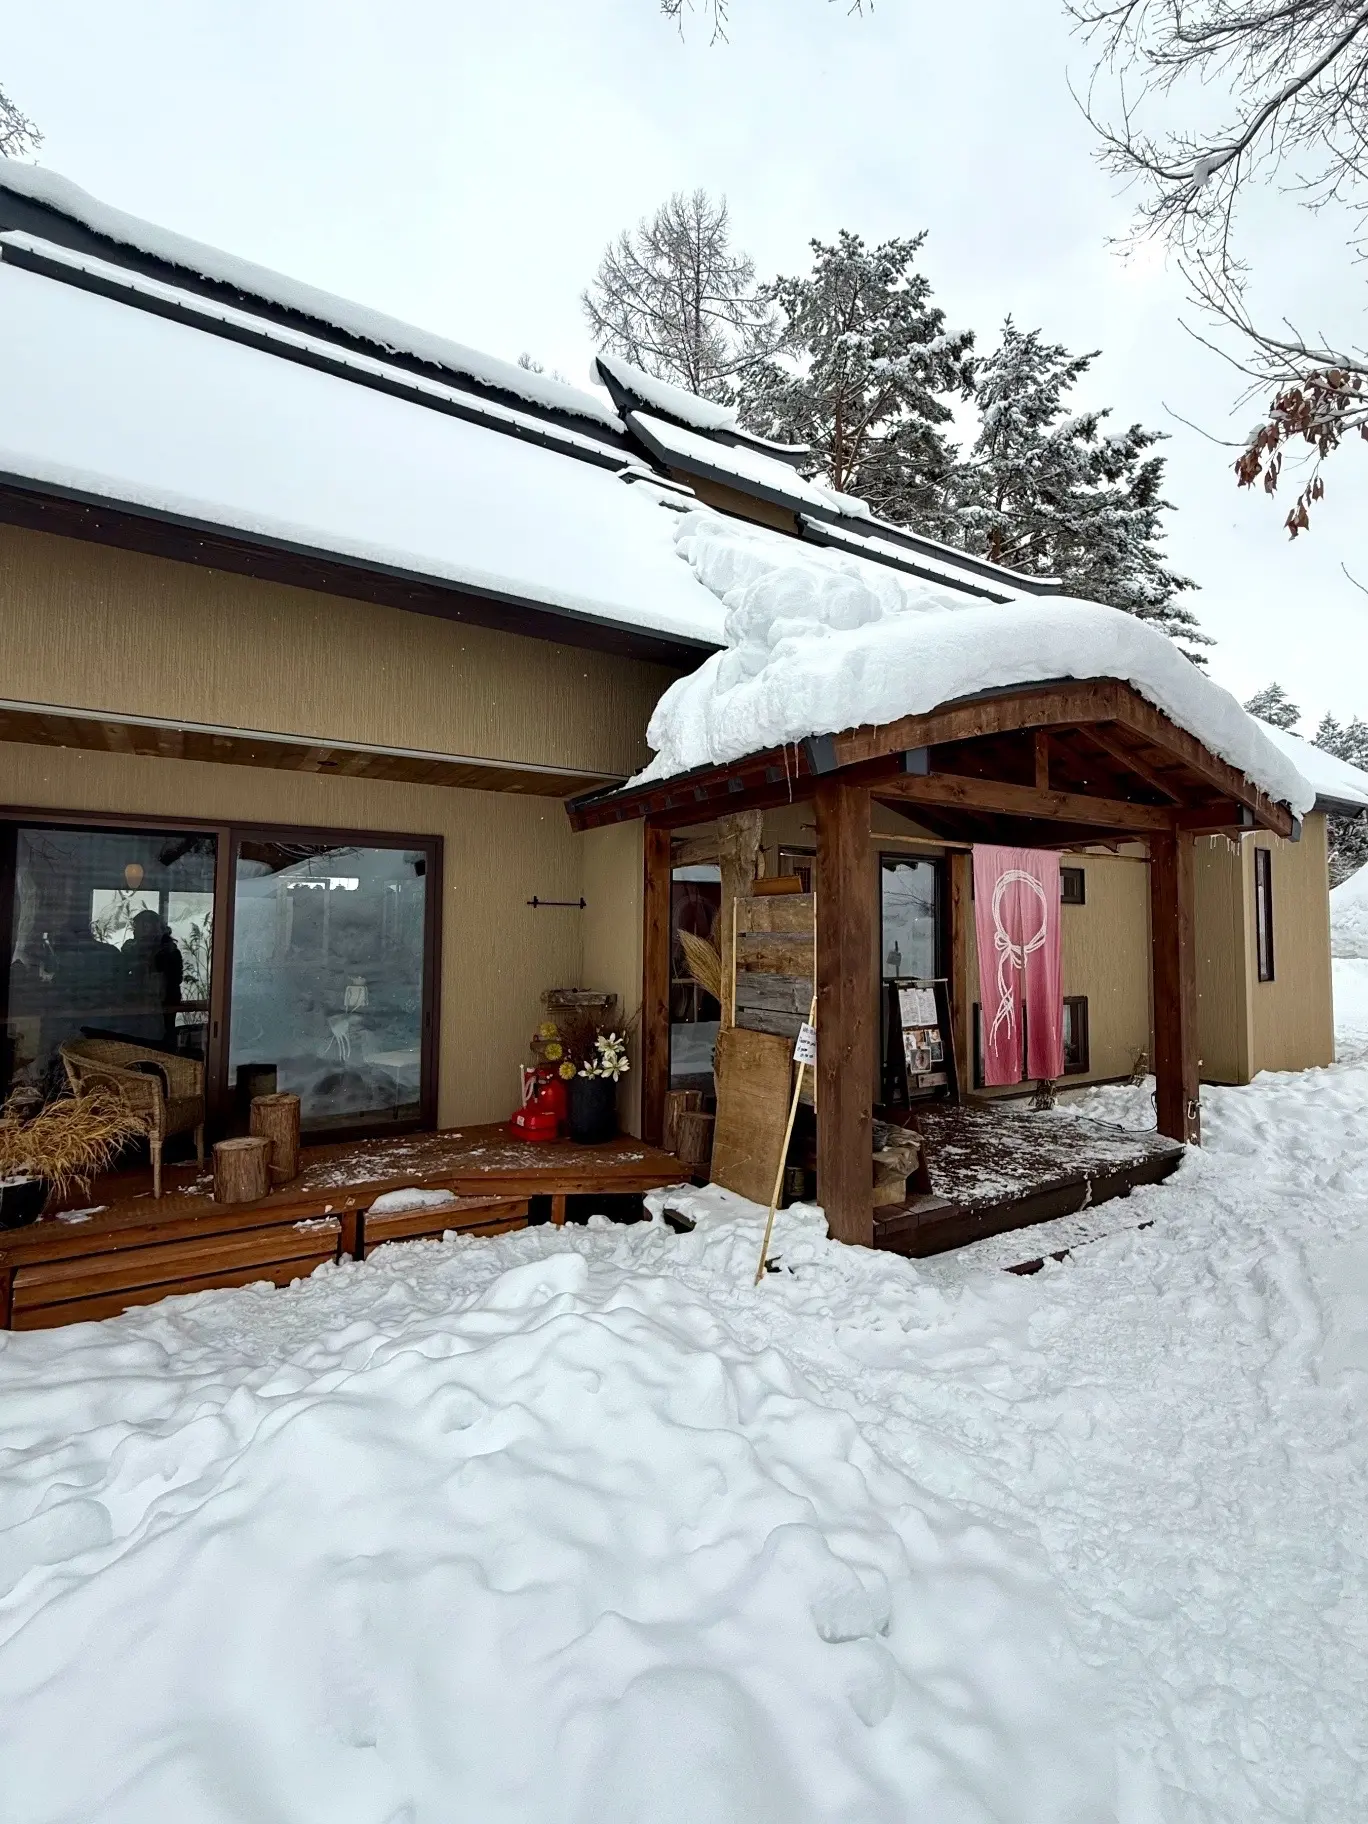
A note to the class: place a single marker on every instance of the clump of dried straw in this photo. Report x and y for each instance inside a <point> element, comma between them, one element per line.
<point>705,965</point>
<point>67,1141</point>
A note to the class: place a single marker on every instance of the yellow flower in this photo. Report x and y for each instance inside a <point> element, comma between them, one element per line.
<point>553,1051</point>
<point>547,1030</point>
<point>567,1070</point>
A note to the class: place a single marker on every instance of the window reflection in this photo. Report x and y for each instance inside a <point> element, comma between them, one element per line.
<point>327,992</point>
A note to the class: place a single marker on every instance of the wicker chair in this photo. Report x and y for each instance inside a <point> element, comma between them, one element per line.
<point>170,1099</point>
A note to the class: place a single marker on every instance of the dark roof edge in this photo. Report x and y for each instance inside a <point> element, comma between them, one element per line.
<point>28,215</point>
<point>130,525</point>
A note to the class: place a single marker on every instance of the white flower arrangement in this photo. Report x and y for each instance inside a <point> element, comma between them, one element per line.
<point>609,1058</point>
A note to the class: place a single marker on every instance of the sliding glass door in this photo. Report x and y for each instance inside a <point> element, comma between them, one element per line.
<point>292,959</point>
<point>328,978</point>
<point>109,938</point>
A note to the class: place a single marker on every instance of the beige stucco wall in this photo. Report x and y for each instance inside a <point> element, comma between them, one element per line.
<point>1292,1017</point>
<point>1223,1006</point>
<point>95,628</point>
<point>498,953</point>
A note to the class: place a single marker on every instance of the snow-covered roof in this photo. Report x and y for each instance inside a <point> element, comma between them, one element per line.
<point>820,641</point>
<point>743,464</point>
<point>703,414</point>
<point>1338,785</point>
<point>102,399</point>
<point>387,334</point>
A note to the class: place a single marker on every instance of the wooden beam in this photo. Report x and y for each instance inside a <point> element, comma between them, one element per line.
<point>847,1010</point>
<point>1042,760</point>
<point>1102,737</point>
<point>960,868</point>
<point>691,851</point>
<point>1172,897</point>
<point>1051,706</point>
<point>655,983</point>
<point>1143,719</point>
<point>960,791</point>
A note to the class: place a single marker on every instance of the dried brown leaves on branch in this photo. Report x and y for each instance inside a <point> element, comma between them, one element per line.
<point>1210,98</point>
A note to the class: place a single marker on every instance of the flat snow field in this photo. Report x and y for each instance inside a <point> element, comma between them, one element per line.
<point>579,1525</point>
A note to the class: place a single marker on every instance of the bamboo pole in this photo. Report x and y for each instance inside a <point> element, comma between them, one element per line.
<point>783,1153</point>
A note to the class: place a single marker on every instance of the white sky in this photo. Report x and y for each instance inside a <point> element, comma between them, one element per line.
<point>462,162</point>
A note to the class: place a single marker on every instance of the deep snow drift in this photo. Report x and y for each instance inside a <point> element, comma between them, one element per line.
<point>579,1524</point>
<point>1349,916</point>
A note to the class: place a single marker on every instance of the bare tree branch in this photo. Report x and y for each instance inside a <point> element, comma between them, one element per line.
<point>17,132</point>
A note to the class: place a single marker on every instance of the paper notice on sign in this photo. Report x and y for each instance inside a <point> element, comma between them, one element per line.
<point>805,1046</point>
<point>917,1006</point>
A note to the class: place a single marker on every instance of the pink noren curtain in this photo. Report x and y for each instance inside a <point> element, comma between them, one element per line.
<point>1016,920</point>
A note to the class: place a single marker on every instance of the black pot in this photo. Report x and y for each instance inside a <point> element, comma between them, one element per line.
<point>22,1200</point>
<point>591,1116</point>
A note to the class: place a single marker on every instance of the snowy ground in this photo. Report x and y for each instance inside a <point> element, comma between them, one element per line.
<point>579,1525</point>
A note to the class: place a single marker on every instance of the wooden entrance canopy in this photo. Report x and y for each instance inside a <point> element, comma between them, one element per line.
<point>1048,766</point>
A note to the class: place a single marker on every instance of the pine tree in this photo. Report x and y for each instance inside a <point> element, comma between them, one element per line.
<point>1348,836</point>
<point>674,299</point>
<point>1045,491</point>
<point>1273,705</point>
<point>866,369</point>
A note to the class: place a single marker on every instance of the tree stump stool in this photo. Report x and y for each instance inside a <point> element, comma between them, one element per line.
<point>242,1169</point>
<point>276,1118</point>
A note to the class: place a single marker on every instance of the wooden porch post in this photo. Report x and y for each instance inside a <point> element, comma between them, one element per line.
<point>847,1010</point>
<point>655,983</point>
<point>1172,889</point>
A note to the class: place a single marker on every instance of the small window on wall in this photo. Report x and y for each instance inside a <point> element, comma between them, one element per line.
<point>1073,887</point>
<point>1263,911</point>
<point>798,862</point>
<point>1076,1062</point>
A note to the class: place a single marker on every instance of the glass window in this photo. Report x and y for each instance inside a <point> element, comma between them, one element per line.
<point>1263,912</point>
<point>327,981</point>
<point>911,917</point>
<point>1075,1035</point>
<point>110,937</point>
<point>695,902</point>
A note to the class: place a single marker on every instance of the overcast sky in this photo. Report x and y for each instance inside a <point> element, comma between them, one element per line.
<point>462,162</point>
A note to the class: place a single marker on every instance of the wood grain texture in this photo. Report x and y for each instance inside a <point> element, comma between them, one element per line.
<point>790,913</point>
<point>777,952</point>
<point>655,983</point>
<point>1176,1064</point>
<point>754,1078</point>
<point>847,1009</point>
<point>959,790</point>
<point>764,1019</point>
<point>774,993</point>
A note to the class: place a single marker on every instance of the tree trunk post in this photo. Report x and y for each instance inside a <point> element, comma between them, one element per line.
<point>242,1169</point>
<point>276,1118</point>
<point>1176,1064</point>
<point>847,1010</point>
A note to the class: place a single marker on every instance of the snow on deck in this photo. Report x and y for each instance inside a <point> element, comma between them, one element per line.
<point>819,641</point>
<point>581,1525</point>
<point>109,400</point>
<point>388,334</point>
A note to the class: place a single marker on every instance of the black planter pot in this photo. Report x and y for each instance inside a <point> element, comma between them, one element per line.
<point>22,1200</point>
<point>591,1116</point>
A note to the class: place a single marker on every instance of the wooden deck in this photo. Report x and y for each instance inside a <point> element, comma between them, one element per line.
<point>125,1247</point>
<point>995,1167</point>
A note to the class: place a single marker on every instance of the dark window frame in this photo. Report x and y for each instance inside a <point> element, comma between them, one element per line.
<point>229,835</point>
<point>1073,886</point>
<point>1082,1063</point>
<point>1263,912</point>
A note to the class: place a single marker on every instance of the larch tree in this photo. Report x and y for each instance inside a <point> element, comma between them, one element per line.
<point>1273,705</point>
<point>1053,492</point>
<point>864,376</point>
<point>1348,836</point>
<point>17,132</point>
<point>676,299</point>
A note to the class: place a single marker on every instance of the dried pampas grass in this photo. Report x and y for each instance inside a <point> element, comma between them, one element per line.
<point>67,1141</point>
<point>705,965</point>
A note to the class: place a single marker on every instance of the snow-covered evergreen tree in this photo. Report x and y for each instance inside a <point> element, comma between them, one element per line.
<point>1048,491</point>
<point>675,299</point>
<point>1348,836</point>
<point>864,377</point>
<point>1273,705</point>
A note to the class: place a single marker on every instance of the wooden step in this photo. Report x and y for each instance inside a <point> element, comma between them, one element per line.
<point>466,1215</point>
